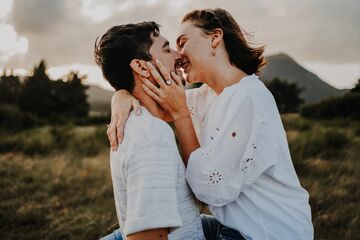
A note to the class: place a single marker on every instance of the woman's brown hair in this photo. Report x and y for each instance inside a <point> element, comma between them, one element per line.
<point>241,54</point>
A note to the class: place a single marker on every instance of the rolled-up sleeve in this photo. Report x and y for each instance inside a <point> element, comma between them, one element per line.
<point>237,150</point>
<point>151,189</point>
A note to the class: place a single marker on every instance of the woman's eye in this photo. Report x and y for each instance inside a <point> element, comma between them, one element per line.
<point>181,45</point>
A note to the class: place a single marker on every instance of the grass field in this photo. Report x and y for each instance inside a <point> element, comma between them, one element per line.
<point>55,180</point>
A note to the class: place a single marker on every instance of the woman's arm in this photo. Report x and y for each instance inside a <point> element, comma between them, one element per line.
<point>122,102</point>
<point>173,100</point>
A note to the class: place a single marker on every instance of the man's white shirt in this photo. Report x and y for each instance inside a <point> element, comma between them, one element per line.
<point>149,182</point>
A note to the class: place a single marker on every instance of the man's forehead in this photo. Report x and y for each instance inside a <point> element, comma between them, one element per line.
<point>160,40</point>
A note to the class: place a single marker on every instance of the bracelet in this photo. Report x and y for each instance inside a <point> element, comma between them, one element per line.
<point>188,116</point>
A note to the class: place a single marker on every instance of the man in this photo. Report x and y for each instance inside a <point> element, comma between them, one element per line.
<point>152,198</point>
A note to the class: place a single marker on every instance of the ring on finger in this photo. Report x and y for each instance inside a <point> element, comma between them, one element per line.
<point>168,82</point>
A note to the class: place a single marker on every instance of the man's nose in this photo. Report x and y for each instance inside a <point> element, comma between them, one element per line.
<point>177,55</point>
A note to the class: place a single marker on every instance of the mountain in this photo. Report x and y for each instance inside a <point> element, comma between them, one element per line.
<point>99,99</point>
<point>286,68</point>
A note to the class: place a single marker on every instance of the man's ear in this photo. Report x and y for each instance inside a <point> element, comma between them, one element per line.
<point>139,66</point>
<point>216,37</point>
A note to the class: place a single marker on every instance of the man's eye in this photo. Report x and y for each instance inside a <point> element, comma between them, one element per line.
<point>167,50</point>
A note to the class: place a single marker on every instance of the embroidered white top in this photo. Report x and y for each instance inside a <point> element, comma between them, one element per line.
<point>243,169</point>
<point>149,182</point>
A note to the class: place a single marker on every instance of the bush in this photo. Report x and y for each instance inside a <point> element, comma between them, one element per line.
<point>299,124</point>
<point>89,143</point>
<point>30,142</point>
<point>319,143</point>
<point>347,106</point>
<point>12,119</point>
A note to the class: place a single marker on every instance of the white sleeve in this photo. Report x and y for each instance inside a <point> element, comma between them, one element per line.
<point>238,149</point>
<point>151,176</point>
<point>198,101</point>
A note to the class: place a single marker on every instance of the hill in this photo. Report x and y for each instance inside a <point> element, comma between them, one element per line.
<point>99,99</point>
<point>286,68</point>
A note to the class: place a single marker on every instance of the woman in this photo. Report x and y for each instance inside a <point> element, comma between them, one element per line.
<point>230,132</point>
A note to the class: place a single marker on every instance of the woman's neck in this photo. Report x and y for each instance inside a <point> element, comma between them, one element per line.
<point>222,76</point>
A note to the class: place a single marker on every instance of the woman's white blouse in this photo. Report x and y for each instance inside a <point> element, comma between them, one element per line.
<point>243,169</point>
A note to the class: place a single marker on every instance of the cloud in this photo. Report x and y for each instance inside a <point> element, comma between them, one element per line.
<point>63,32</point>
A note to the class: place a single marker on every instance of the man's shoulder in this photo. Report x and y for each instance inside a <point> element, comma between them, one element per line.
<point>144,129</point>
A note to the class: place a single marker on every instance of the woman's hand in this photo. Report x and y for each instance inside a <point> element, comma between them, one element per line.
<point>122,103</point>
<point>171,94</point>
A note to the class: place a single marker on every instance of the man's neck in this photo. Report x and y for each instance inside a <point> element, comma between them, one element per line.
<point>148,103</point>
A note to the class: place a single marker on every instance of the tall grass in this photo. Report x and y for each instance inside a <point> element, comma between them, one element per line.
<point>326,157</point>
<point>55,180</point>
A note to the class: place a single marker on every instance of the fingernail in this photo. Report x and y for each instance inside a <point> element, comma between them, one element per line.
<point>157,61</point>
<point>119,140</point>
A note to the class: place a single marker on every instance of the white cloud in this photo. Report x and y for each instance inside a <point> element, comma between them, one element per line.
<point>96,12</point>
<point>10,43</point>
<point>93,73</point>
<point>63,32</point>
<point>5,8</point>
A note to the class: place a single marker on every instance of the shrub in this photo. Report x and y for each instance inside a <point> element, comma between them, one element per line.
<point>347,106</point>
<point>12,119</point>
<point>319,143</point>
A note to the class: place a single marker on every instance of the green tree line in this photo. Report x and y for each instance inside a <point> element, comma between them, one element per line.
<point>37,96</point>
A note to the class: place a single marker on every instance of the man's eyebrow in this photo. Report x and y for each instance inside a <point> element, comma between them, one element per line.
<point>166,44</point>
<point>178,39</point>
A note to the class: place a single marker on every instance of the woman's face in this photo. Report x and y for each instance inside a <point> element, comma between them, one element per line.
<point>195,49</point>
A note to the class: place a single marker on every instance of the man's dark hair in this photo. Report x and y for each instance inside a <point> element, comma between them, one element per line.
<point>119,46</point>
<point>241,54</point>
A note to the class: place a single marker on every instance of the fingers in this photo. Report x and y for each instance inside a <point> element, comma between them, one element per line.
<point>156,75</point>
<point>177,79</point>
<point>151,93</point>
<point>120,126</point>
<point>163,70</point>
<point>111,133</point>
<point>151,86</point>
<point>136,106</point>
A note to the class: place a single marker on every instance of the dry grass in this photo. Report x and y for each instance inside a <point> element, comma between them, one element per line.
<point>55,181</point>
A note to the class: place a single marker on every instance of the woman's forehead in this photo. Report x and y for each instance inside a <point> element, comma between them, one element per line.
<point>187,29</point>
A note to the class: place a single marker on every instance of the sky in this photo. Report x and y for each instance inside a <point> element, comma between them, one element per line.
<point>321,35</point>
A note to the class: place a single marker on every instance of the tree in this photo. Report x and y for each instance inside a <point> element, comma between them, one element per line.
<point>37,94</point>
<point>356,89</point>
<point>70,96</point>
<point>10,88</point>
<point>287,95</point>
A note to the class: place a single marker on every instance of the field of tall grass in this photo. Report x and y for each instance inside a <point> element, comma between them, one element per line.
<point>55,180</point>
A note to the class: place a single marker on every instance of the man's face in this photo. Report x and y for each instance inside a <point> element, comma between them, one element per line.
<point>161,51</point>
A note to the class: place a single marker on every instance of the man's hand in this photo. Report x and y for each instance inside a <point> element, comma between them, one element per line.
<point>122,103</point>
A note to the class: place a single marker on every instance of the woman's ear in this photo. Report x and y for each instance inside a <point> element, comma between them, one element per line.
<point>216,37</point>
<point>139,66</point>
